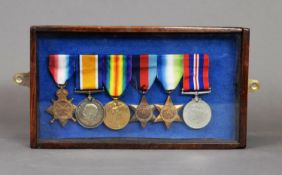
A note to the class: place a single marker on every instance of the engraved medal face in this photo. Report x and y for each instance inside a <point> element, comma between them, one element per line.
<point>168,113</point>
<point>143,112</point>
<point>197,114</point>
<point>117,115</point>
<point>62,109</point>
<point>90,113</point>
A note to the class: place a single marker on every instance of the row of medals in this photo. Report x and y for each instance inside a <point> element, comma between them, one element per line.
<point>90,113</point>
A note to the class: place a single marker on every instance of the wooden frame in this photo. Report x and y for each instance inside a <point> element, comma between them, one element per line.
<point>141,143</point>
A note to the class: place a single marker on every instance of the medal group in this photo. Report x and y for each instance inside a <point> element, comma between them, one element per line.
<point>94,73</point>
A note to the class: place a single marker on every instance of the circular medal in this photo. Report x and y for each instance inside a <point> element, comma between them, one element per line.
<point>197,114</point>
<point>117,115</point>
<point>90,113</point>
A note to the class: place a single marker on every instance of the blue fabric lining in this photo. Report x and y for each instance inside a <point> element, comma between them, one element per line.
<point>223,49</point>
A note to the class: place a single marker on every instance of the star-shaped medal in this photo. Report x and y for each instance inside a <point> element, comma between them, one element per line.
<point>143,112</point>
<point>62,109</point>
<point>168,112</point>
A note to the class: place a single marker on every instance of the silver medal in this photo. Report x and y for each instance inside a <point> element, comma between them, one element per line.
<point>197,113</point>
<point>90,113</point>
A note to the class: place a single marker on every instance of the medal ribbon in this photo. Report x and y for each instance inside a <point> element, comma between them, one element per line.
<point>170,70</point>
<point>144,70</point>
<point>196,72</point>
<point>61,68</point>
<point>117,73</point>
<point>89,72</point>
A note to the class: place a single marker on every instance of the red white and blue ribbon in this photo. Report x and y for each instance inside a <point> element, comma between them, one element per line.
<point>61,68</point>
<point>196,72</point>
<point>144,70</point>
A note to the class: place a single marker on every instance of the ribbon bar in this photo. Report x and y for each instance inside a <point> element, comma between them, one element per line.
<point>170,70</point>
<point>61,68</point>
<point>89,73</point>
<point>196,72</point>
<point>117,73</point>
<point>144,70</point>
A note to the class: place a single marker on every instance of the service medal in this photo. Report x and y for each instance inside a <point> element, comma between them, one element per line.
<point>170,71</point>
<point>143,112</point>
<point>62,109</point>
<point>168,112</point>
<point>197,113</point>
<point>61,69</point>
<point>144,75</point>
<point>117,74</point>
<point>90,112</point>
<point>117,115</point>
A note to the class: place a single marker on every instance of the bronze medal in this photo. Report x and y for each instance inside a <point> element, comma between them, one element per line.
<point>117,115</point>
<point>144,75</point>
<point>170,71</point>
<point>143,112</point>
<point>61,69</point>
<point>62,109</point>
<point>168,113</point>
<point>117,75</point>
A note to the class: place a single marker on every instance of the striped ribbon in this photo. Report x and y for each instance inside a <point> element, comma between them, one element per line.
<point>170,70</point>
<point>117,73</point>
<point>144,70</point>
<point>89,72</point>
<point>61,68</point>
<point>196,72</point>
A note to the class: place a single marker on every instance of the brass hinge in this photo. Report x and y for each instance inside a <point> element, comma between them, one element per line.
<point>21,79</point>
<point>253,85</point>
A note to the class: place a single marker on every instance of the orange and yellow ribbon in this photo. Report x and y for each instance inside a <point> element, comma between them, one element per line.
<point>88,75</point>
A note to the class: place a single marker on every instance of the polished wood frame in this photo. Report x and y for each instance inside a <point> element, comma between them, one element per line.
<point>129,143</point>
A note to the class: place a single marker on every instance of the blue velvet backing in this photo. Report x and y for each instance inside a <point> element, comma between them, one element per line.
<point>223,49</point>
